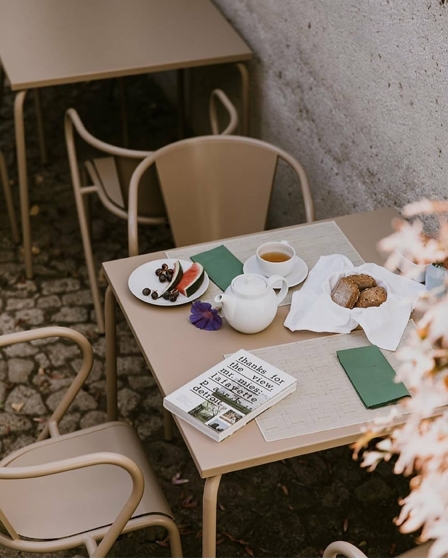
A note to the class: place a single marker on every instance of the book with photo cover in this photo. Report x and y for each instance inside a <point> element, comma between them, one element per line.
<point>230,394</point>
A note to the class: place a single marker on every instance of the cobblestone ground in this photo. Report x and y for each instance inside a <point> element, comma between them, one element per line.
<point>292,508</point>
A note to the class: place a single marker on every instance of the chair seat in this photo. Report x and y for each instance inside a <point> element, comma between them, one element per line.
<point>77,501</point>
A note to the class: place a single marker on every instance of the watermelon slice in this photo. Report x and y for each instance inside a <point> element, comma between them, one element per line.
<point>191,280</point>
<point>177,277</point>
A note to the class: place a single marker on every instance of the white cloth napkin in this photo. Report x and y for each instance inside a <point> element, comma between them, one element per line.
<point>313,309</point>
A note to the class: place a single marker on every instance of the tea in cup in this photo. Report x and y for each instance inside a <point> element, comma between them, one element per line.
<point>276,257</point>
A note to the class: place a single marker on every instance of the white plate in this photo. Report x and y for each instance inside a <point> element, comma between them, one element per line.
<point>145,277</point>
<point>297,275</point>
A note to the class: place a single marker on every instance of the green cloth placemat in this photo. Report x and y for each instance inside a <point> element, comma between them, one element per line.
<point>220,264</point>
<point>371,375</point>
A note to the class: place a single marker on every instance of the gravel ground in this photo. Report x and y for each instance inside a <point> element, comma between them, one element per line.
<point>292,508</point>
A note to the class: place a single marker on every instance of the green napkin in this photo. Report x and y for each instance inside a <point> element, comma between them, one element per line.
<point>371,375</point>
<point>220,264</point>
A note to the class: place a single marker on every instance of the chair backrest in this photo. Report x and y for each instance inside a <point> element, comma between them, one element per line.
<point>119,167</point>
<point>215,187</point>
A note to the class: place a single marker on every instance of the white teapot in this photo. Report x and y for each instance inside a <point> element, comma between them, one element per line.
<point>250,303</point>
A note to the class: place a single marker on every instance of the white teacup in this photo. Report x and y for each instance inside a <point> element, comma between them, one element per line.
<point>276,257</point>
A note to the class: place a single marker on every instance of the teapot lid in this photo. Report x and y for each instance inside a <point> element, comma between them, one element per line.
<point>249,284</point>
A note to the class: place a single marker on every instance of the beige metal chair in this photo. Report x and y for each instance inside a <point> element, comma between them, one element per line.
<point>110,177</point>
<point>343,548</point>
<point>8,197</point>
<point>214,187</point>
<point>82,488</point>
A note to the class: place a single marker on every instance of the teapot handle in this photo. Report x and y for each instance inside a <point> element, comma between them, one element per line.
<point>284,289</point>
<point>228,304</point>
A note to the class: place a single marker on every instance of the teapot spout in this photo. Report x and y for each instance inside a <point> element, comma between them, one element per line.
<point>228,305</point>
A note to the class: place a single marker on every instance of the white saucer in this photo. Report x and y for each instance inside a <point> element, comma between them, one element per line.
<point>297,275</point>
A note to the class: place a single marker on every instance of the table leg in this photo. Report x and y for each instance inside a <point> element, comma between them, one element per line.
<point>23,181</point>
<point>2,84</point>
<point>168,425</point>
<point>123,113</point>
<point>181,102</point>
<point>111,354</point>
<point>242,68</point>
<point>209,511</point>
<point>8,197</point>
<point>40,126</point>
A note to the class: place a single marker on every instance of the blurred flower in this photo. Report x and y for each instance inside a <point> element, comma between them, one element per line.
<point>420,443</point>
<point>203,316</point>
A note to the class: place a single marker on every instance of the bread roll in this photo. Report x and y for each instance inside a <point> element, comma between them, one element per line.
<point>363,281</point>
<point>372,297</point>
<point>345,293</point>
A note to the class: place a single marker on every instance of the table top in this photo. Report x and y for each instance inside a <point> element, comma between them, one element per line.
<point>177,352</point>
<point>54,42</point>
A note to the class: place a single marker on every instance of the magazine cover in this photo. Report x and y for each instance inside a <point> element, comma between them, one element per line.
<point>230,394</point>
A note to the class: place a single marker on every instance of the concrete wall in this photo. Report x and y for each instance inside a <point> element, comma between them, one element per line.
<point>356,90</point>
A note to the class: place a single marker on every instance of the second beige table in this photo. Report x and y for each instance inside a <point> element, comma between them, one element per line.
<point>195,351</point>
<point>54,42</point>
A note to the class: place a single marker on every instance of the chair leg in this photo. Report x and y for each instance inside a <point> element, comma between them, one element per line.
<point>244,74</point>
<point>181,102</point>
<point>175,542</point>
<point>173,532</point>
<point>23,181</point>
<point>123,112</point>
<point>9,202</point>
<point>91,271</point>
<point>40,127</point>
<point>168,425</point>
<point>87,201</point>
<point>111,355</point>
<point>91,545</point>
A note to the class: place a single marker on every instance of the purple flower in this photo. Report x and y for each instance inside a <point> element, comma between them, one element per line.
<point>203,316</point>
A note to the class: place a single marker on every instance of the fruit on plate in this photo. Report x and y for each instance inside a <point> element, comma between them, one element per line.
<point>191,280</point>
<point>177,276</point>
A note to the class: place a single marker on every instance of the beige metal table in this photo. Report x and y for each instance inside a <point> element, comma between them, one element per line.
<point>54,42</point>
<point>186,352</point>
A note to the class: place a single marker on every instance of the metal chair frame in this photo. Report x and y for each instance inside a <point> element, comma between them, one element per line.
<point>344,548</point>
<point>50,436</point>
